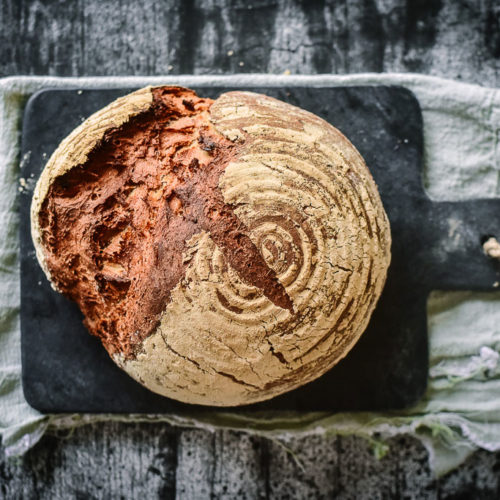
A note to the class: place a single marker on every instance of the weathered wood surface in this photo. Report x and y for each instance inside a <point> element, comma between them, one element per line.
<point>455,39</point>
<point>115,460</point>
<point>459,39</point>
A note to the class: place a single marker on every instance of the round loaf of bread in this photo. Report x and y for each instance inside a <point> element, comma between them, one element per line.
<point>224,251</point>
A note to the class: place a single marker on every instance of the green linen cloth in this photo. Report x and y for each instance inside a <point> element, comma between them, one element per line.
<point>461,408</point>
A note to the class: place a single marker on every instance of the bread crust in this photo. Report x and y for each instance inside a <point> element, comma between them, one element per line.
<point>74,150</point>
<point>309,204</point>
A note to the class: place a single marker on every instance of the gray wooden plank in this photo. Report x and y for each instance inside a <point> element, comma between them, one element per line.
<point>478,477</point>
<point>240,466</point>
<point>195,464</point>
<point>109,460</point>
<point>93,37</point>
<point>131,37</point>
<point>363,476</point>
<point>119,460</point>
<point>222,464</point>
<point>346,467</point>
<point>305,467</point>
<point>40,38</point>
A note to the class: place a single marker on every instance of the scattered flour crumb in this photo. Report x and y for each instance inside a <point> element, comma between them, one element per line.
<point>491,248</point>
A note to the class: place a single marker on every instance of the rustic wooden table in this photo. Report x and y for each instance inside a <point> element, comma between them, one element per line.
<point>124,37</point>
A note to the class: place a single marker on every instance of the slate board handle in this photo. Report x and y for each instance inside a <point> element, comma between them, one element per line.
<point>453,245</point>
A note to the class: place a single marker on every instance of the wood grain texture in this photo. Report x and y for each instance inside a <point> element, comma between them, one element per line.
<point>70,38</point>
<point>454,39</point>
<point>115,460</point>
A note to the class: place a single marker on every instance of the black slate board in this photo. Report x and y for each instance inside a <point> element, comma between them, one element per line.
<point>435,246</point>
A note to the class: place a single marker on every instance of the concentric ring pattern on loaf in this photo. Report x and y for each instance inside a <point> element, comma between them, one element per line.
<point>242,241</point>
